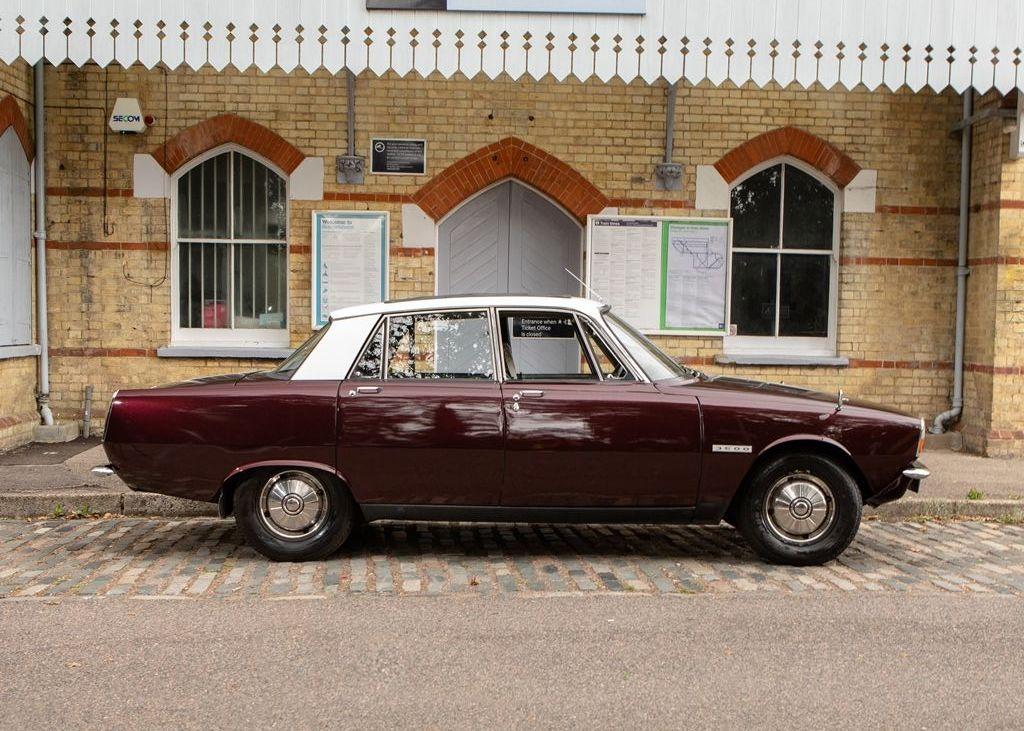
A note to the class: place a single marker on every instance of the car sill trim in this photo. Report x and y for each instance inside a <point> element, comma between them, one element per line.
<point>518,514</point>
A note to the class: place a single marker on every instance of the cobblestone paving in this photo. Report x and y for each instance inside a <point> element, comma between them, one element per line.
<point>206,558</point>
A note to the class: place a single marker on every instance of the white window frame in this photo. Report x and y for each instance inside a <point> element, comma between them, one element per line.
<point>236,337</point>
<point>781,345</point>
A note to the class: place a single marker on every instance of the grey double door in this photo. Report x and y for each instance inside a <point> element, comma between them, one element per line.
<point>512,240</point>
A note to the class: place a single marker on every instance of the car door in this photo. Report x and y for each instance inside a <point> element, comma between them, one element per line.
<point>420,414</point>
<point>594,434</point>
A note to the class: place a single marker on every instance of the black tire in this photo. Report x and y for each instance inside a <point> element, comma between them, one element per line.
<point>330,527</point>
<point>765,530</point>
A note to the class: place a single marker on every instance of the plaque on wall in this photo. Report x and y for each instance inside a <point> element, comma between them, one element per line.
<point>398,157</point>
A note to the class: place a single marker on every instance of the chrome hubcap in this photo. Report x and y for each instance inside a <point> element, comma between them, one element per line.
<point>293,504</point>
<point>799,508</point>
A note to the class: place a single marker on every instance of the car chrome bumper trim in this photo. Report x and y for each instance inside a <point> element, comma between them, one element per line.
<point>917,471</point>
<point>105,470</point>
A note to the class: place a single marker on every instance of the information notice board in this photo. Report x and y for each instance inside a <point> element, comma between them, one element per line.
<point>662,274</point>
<point>350,260</point>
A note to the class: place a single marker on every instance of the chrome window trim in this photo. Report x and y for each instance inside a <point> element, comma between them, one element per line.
<point>386,321</point>
<point>628,362</point>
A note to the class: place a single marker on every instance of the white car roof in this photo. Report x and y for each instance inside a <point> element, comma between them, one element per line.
<point>593,308</point>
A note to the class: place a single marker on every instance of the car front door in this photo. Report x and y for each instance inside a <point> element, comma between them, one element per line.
<point>420,414</point>
<point>592,434</point>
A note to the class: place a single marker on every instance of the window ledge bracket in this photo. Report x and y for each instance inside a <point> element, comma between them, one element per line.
<point>214,351</point>
<point>784,360</point>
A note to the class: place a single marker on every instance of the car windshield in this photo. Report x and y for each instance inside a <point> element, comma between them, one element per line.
<point>293,361</point>
<point>656,364</point>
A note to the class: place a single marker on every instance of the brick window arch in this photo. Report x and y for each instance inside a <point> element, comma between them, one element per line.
<point>11,116</point>
<point>224,129</point>
<point>791,142</point>
<point>510,158</point>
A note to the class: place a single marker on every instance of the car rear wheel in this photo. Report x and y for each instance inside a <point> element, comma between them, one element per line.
<point>294,514</point>
<point>800,510</point>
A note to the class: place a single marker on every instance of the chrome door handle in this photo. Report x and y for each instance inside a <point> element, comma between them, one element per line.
<point>364,389</point>
<point>527,393</point>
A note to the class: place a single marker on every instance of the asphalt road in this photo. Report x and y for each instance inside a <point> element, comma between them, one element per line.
<point>847,660</point>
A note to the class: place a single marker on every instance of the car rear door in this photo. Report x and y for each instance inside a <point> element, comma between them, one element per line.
<point>594,434</point>
<point>420,414</point>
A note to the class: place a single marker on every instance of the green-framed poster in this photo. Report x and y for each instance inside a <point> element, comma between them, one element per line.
<point>665,275</point>
<point>350,260</point>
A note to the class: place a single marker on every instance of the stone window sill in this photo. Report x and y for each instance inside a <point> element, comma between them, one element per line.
<point>784,360</point>
<point>213,351</point>
<point>18,351</point>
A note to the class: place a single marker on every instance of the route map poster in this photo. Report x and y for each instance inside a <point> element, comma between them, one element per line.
<point>694,275</point>
<point>663,275</point>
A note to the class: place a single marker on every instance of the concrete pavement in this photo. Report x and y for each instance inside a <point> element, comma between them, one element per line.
<point>859,660</point>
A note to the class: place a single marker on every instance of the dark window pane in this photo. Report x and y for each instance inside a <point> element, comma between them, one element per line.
<point>753,293</point>
<point>755,209</point>
<point>803,300</point>
<point>203,200</point>
<point>809,212</point>
<point>184,285</point>
<point>369,364</point>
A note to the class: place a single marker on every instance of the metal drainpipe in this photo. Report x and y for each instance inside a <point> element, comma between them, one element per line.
<point>350,93</point>
<point>40,234</point>
<point>962,272</point>
<point>670,121</point>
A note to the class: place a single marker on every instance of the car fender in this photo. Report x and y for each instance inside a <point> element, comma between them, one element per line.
<point>226,497</point>
<point>803,437</point>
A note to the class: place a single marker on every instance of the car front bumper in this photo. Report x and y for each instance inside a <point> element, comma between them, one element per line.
<point>910,479</point>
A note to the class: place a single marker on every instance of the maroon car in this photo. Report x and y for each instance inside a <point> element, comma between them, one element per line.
<point>507,408</point>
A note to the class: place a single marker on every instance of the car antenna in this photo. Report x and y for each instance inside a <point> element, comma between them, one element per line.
<point>586,287</point>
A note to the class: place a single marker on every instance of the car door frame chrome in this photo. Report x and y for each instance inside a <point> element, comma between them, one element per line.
<point>385,322</point>
<point>638,375</point>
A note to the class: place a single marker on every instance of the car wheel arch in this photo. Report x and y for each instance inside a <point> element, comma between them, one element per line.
<point>819,446</point>
<point>225,497</point>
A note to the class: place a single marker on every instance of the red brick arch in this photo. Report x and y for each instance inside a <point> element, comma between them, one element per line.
<point>223,129</point>
<point>792,141</point>
<point>510,158</point>
<point>11,116</point>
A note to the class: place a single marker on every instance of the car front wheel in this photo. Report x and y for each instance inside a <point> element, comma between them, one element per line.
<point>294,514</point>
<point>800,510</point>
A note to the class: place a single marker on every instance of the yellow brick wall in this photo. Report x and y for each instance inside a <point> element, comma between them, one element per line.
<point>611,133</point>
<point>17,375</point>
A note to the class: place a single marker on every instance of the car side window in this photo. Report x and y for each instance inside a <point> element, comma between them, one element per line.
<point>369,366</point>
<point>440,345</point>
<point>543,346</point>
<point>607,362</point>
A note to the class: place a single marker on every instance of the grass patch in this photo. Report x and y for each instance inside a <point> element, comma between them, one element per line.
<point>975,494</point>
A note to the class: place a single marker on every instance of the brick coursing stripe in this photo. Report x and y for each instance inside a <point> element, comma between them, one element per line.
<point>90,192</point>
<point>368,197</point>
<point>8,422</point>
<point>792,141</point>
<point>999,205</point>
<point>995,370</point>
<point>997,260</point>
<point>108,245</point>
<point>919,210</point>
<point>11,116</point>
<point>896,261</point>
<point>649,203</point>
<point>81,352</point>
<point>510,158</point>
<point>220,130</point>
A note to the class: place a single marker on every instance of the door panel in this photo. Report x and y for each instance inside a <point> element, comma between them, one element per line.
<point>543,243</point>
<point>600,444</point>
<point>428,442</point>
<point>472,246</point>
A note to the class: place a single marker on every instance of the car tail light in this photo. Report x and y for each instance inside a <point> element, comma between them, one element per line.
<point>920,441</point>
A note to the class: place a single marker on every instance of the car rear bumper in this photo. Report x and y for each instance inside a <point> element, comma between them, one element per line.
<point>910,479</point>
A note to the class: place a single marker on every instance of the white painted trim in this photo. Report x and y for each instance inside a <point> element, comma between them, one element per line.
<point>306,183</point>
<point>149,179</point>
<point>208,351</point>
<point>712,190</point>
<point>418,229</point>
<point>790,360</point>
<point>205,338</point>
<point>859,194</point>
<point>747,345</point>
<point>19,351</point>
